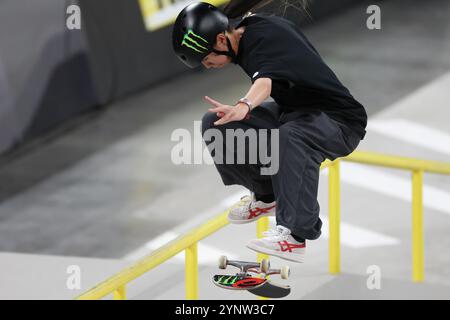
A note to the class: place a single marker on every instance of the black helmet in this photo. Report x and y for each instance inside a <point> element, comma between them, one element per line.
<point>195,30</point>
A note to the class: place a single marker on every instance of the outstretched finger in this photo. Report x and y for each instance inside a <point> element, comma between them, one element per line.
<point>213,102</point>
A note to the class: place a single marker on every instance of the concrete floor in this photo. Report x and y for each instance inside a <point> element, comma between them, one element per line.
<point>104,185</point>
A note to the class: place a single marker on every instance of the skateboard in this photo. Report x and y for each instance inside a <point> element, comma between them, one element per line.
<point>253,277</point>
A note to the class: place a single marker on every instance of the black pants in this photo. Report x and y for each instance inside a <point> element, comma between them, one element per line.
<point>306,139</point>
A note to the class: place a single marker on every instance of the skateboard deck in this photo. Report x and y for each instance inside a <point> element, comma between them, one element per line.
<point>271,290</point>
<point>238,282</point>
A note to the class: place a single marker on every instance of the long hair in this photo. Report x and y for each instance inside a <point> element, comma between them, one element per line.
<point>238,8</point>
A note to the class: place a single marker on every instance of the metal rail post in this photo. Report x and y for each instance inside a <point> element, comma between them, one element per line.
<point>261,226</point>
<point>192,272</point>
<point>334,217</point>
<point>120,293</point>
<point>417,227</point>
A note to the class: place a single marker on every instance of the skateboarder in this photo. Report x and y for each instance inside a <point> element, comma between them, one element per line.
<point>315,114</point>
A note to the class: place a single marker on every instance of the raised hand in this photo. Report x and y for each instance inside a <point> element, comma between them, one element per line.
<point>227,113</point>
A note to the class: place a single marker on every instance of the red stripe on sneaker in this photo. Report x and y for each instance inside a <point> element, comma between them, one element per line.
<point>259,211</point>
<point>286,246</point>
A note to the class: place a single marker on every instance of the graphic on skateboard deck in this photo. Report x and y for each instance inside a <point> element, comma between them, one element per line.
<point>253,277</point>
<point>237,282</point>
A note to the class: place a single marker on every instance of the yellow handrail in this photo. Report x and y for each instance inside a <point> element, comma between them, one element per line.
<point>399,162</point>
<point>116,284</point>
<point>417,167</point>
<point>155,258</point>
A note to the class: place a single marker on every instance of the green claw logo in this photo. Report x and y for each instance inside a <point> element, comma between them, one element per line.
<point>191,40</point>
<point>227,280</point>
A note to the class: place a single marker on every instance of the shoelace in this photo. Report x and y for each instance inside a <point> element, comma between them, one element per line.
<point>277,234</point>
<point>245,205</point>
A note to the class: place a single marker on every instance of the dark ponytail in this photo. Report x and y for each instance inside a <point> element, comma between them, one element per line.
<point>238,8</point>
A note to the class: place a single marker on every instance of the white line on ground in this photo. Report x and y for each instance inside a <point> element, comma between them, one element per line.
<point>207,255</point>
<point>413,133</point>
<point>356,237</point>
<point>172,234</point>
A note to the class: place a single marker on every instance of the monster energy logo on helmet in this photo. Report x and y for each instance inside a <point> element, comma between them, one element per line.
<point>195,42</point>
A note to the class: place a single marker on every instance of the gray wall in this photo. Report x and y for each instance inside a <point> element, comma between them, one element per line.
<point>44,71</point>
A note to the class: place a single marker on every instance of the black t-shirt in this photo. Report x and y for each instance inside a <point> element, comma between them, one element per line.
<point>273,47</point>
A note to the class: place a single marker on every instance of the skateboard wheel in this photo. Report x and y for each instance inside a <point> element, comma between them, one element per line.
<point>223,262</point>
<point>265,266</point>
<point>285,272</point>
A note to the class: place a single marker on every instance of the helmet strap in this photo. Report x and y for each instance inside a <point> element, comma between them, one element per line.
<point>230,53</point>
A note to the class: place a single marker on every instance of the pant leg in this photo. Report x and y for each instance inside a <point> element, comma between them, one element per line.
<point>306,139</point>
<point>248,175</point>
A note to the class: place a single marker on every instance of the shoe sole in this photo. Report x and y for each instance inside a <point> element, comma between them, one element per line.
<point>272,214</point>
<point>281,255</point>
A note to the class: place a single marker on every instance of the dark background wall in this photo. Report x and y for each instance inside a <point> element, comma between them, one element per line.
<point>125,57</point>
<point>44,71</point>
<point>49,74</point>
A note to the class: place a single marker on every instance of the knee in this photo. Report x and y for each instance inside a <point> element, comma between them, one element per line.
<point>292,141</point>
<point>208,121</point>
<point>285,133</point>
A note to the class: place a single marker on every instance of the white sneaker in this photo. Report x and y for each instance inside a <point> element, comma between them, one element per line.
<point>249,210</point>
<point>279,243</point>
